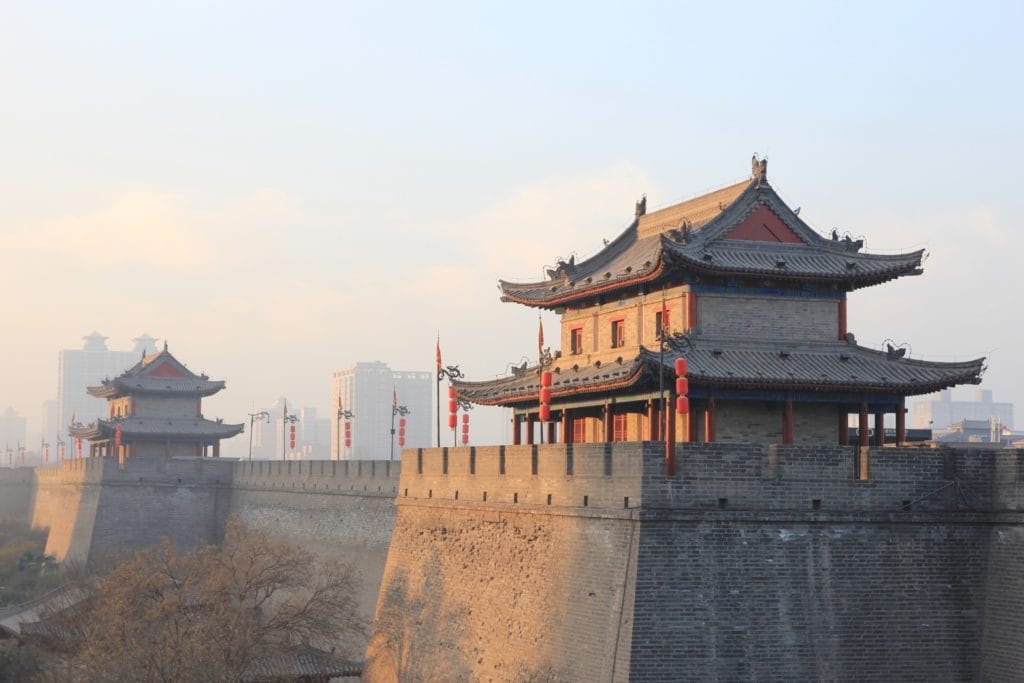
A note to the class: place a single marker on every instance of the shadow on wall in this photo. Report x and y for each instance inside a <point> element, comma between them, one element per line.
<point>407,629</point>
<point>416,641</point>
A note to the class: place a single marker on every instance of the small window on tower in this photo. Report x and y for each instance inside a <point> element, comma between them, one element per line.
<point>618,333</point>
<point>576,341</point>
<point>661,323</point>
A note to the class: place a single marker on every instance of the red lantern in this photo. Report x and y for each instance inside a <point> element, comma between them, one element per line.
<point>78,447</point>
<point>682,386</point>
<point>545,395</point>
<point>465,439</point>
<point>545,378</point>
<point>465,428</point>
<point>291,437</point>
<point>401,440</point>
<point>117,437</point>
<point>682,405</point>
<point>453,405</point>
<point>545,412</point>
<point>348,443</point>
<point>453,420</point>
<point>46,454</point>
<point>401,422</point>
<point>465,418</point>
<point>681,366</point>
<point>451,391</point>
<point>62,454</point>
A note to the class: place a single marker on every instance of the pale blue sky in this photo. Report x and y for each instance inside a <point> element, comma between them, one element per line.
<point>246,179</point>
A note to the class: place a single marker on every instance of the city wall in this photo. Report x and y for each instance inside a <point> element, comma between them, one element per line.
<point>753,563</point>
<point>95,511</point>
<point>585,562</point>
<point>337,509</point>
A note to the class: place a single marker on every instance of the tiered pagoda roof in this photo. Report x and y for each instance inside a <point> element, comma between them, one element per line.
<point>744,230</point>
<point>837,367</point>
<point>155,375</point>
<point>743,234</point>
<point>158,373</point>
<point>157,428</point>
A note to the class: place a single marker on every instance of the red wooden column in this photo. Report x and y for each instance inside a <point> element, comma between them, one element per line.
<point>709,421</point>
<point>862,426</point>
<point>551,432</point>
<point>693,432</point>
<point>529,430</point>
<point>670,443</point>
<point>517,434</point>
<point>650,420</point>
<point>609,432</point>
<point>787,421</point>
<point>691,310</point>
<point>566,422</point>
<point>842,319</point>
<point>216,449</point>
<point>901,423</point>
<point>844,426</point>
<point>879,428</point>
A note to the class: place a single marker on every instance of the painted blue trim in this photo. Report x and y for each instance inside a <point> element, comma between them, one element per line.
<point>787,293</point>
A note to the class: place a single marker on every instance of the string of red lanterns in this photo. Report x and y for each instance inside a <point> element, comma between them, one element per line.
<point>545,396</point>
<point>682,387</point>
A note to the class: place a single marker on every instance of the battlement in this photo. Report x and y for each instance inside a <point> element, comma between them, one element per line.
<point>719,476</point>
<point>352,477</point>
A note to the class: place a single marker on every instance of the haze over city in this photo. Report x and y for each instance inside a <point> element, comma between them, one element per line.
<point>280,193</point>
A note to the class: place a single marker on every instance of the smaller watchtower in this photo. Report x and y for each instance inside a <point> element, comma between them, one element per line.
<point>155,410</point>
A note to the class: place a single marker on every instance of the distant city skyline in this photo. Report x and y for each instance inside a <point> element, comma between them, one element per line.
<point>356,191</point>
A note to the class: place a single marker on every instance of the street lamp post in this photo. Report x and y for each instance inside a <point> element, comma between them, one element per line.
<point>678,342</point>
<point>286,419</point>
<point>348,415</point>
<point>396,410</point>
<point>465,406</point>
<point>452,372</point>
<point>261,415</point>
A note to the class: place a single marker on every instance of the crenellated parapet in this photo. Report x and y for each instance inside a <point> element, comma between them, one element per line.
<point>822,478</point>
<point>346,477</point>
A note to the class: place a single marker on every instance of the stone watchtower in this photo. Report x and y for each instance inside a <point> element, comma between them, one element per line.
<point>155,409</point>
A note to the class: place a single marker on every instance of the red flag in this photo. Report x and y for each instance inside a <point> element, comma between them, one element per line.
<point>439,366</point>
<point>540,336</point>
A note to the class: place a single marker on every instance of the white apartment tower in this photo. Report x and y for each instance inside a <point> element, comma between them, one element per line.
<point>81,368</point>
<point>368,390</point>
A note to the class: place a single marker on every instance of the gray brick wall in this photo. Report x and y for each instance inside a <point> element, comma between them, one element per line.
<point>761,317</point>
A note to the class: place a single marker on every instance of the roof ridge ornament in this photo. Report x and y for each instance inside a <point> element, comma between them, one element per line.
<point>759,170</point>
<point>641,206</point>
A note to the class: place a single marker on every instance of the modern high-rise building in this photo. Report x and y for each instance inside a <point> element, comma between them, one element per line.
<point>369,391</point>
<point>79,369</point>
<point>940,411</point>
<point>12,435</point>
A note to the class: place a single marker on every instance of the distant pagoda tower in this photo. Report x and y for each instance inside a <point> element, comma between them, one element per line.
<point>753,298</point>
<point>155,410</point>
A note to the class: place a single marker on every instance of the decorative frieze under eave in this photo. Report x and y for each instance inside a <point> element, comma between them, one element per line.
<point>833,368</point>
<point>157,429</point>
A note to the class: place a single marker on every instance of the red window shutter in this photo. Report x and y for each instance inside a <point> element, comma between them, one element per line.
<point>619,427</point>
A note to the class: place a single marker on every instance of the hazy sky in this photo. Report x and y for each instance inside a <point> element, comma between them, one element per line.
<point>282,189</point>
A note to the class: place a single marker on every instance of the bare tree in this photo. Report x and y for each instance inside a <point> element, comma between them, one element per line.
<point>209,614</point>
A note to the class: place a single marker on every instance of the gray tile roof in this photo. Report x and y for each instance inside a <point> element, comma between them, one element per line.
<point>564,382</point>
<point>157,427</point>
<point>647,251</point>
<point>137,380</point>
<point>305,662</point>
<point>832,366</point>
<point>764,365</point>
